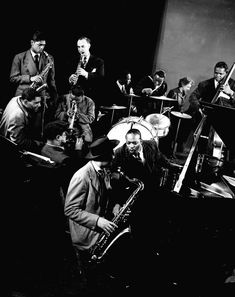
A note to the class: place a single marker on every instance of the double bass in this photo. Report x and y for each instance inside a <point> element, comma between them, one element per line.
<point>192,161</point>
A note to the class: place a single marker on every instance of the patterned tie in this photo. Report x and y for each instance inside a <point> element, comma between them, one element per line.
<point>105,178</point>
<point>137,157</point>
<point>36,60</point>
<point>84,61</point>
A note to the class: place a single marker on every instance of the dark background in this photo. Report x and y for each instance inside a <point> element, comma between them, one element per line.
<point>124,34</point>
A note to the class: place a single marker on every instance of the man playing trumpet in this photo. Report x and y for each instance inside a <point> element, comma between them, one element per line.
<point>79,111</point>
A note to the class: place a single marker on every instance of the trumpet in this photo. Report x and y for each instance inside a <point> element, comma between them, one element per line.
<point>73,114</point>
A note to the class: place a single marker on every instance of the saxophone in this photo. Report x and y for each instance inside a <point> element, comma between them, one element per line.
<point>35,85</point>
<point>105,241</point>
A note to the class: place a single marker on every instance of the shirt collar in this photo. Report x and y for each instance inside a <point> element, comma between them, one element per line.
<point>216,83</point>
<point>34,54</point>
<point>96,167</point>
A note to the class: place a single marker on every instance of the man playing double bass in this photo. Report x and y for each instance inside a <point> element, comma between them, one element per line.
<point>206,91</point>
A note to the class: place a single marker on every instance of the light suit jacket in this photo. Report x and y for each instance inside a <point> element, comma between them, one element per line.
<point>83,207</point>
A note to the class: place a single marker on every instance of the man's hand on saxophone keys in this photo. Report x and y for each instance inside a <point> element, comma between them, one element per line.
<point>36,79</point>
<point>106,225</point>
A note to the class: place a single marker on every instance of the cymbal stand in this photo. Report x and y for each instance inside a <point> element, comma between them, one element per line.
<point>176,137</point>
<point>130,104</point>
<point>112,117</point>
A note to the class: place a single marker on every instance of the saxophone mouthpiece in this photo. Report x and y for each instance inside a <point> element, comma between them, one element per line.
<point>46,53</point>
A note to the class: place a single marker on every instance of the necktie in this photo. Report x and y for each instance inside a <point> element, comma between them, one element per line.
<point>36,60</point>
<point>137,157</point>
<point>105,178</point>
<point>84,61</point>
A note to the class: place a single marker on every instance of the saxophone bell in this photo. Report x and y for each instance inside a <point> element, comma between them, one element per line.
<point>105,241</point>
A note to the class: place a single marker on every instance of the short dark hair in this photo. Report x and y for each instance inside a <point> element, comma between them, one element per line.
<point>221,64</point>
<point>160,73</point>
<point>29,94</point>
<point>38,36</point>
<point>77,91</point>
<point>54,128</point>
<point>134,131</point>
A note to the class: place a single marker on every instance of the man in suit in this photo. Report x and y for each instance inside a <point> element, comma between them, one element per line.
<point>18,121</point>
<point>28,69</point>
<point>88,72</point>
<point>206,91</point>
<point>87,201</point>
<point>151,85</point>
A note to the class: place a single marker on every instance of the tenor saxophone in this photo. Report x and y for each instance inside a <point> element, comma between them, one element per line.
<point>44,72</point>
<point>105,241</point>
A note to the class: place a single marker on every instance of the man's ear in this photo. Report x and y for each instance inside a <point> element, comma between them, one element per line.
<point>58,137</point>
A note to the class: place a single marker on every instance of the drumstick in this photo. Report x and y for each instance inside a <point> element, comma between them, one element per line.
<point>167,109</point>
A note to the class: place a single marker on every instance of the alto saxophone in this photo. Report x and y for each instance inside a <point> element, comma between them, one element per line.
<point>44,73</point>
<point>105,241</point>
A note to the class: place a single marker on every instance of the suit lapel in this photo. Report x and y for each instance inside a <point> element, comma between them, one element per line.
<point>29,63</point>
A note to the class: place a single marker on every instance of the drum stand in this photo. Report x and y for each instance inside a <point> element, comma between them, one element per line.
<point>180,116</point>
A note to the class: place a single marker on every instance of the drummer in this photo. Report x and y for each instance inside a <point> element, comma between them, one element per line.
<point>150,85</point>
<point>180,94</point>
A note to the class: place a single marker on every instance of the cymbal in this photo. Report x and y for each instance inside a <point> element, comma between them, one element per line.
<point>132,95</point>
<point>162,98</point>
<point>114,106</point>
<point>181,115</point>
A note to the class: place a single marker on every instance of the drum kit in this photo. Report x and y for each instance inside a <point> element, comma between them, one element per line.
<point>154,126</point>
<point>161,98</point>
<point>113,108</point>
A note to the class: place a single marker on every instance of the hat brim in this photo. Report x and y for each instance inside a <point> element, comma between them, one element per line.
<point>112,144</point>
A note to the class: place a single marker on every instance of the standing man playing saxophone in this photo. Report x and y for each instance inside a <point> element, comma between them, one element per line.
<point>87,72</point>
<point>27,70</point>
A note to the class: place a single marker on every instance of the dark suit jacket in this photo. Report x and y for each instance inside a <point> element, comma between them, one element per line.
<point>147,82</point>
<point>93,85</point>
<point>23,67</point>
<point>150,172</point>
<point>205,91</point>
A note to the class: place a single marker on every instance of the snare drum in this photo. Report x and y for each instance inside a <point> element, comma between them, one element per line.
<point>160,122</point>
<point>119,130</point>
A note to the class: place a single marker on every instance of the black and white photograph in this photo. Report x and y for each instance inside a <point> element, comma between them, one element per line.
<point>118,157</point>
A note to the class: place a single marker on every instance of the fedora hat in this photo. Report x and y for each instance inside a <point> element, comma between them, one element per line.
<point>101,148</point>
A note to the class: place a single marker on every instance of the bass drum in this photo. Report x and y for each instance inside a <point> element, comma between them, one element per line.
<point>119,130</point>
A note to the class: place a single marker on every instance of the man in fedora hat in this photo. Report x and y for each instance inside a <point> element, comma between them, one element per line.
<point>87,200</point>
